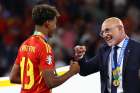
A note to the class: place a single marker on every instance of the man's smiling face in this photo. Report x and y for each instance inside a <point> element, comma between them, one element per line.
<point>112,31</point>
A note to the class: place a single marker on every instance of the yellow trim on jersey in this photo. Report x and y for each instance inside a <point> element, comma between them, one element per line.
<point>48,47</point>
<point>40,77</point>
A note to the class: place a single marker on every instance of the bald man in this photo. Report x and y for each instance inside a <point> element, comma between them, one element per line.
<point>118,60</point>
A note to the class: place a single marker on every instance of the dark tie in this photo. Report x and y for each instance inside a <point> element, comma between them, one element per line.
<point>114,88</point>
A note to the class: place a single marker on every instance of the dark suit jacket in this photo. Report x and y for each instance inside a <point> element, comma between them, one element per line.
<point>131,67</point>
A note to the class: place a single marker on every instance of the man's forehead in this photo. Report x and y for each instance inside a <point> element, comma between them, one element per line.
<point>111,22</point>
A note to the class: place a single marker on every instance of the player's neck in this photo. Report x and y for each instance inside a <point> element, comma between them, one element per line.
<point>42,30</point>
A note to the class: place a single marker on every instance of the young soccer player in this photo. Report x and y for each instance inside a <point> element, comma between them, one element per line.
<point>34,67</point>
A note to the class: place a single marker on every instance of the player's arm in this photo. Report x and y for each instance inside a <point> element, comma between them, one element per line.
<point>52,80</point>
<point>48,68</point>
<point>15,74</point>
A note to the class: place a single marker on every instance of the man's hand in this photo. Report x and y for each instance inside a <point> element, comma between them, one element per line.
<point>79,52</point>
<point>74,67</point>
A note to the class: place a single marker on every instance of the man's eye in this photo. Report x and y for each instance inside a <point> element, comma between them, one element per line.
<point>107,30</point>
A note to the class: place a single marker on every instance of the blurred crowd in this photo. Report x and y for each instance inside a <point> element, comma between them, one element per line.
<point>79,23</point>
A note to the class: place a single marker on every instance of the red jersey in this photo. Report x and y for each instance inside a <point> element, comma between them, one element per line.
<point>34,55</point>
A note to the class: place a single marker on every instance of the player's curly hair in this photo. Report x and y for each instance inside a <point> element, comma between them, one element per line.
<point>43,12</point>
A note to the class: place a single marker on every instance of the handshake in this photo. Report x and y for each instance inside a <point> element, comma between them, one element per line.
<point>79,52</point>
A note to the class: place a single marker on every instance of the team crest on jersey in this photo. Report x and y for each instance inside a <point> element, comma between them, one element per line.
<point>49,59</point>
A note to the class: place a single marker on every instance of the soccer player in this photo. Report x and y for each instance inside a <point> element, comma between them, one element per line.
<point>34,66</point>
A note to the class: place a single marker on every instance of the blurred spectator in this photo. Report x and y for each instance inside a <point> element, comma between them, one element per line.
<point>3,22</point>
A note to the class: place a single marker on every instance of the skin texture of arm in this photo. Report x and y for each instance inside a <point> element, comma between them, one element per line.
<point>52,80</point>
<point>15,74</point>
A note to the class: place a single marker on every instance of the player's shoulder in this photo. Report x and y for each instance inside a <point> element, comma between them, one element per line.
<point>34,39</point>
<point>44,44</point>
<point>41,42</point>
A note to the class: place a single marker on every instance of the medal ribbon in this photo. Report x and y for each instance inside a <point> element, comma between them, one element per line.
<point>116,70</point>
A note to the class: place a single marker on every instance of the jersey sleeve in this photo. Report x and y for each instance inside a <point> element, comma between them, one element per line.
<point>46,58</point>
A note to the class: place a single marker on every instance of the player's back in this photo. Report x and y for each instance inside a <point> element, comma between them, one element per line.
<point>29,57</point>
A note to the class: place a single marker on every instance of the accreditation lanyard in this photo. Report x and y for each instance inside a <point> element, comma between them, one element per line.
<point>120,55</point>
<point>41,34</point>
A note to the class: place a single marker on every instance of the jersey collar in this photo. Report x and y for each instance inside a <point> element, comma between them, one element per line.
<point>41,34</point>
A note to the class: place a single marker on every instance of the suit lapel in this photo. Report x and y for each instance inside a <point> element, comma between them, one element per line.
<point>106,60</point>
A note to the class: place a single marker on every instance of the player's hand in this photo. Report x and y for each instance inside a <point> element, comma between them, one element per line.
<point>74,67</point>
<point>79,52</point>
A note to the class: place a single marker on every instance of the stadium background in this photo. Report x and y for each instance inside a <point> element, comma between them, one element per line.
<point>79,23</point>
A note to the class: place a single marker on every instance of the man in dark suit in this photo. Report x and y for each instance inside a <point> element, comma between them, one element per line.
<point>118,61</point>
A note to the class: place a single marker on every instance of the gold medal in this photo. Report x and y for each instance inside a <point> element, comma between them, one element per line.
<point>116,83</point>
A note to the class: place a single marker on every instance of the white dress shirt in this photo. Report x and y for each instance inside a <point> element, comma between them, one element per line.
<point>119,88</point>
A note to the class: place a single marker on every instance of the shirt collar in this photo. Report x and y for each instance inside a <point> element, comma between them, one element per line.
<point>121,43</point>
